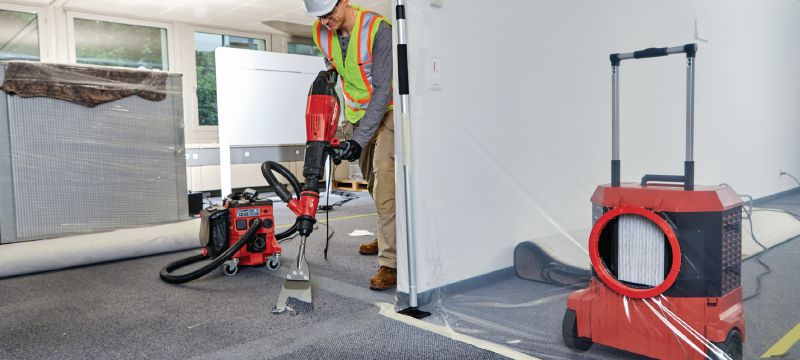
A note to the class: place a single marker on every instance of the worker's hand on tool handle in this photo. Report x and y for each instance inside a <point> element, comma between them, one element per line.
<point>333,151</point>
<point>350,150</point>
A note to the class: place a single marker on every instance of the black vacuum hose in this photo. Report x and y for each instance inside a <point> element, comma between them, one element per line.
<point>165,275</point>
<point>267,169</point>
<point>284,194</point>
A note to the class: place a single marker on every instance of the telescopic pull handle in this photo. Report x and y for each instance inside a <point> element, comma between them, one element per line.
<point>691,51</point>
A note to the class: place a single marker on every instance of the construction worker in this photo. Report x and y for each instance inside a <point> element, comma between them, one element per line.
<point>358,44</point>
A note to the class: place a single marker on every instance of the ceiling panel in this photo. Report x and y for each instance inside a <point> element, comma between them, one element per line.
<point>247,21</point>
<point>192,14</point>
<point>39,2</point>
<point>245,15</point>
<point>122,7</point>
<point>221,5</point>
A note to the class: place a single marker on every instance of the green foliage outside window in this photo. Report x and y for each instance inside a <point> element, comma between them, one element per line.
<point>205,44</point>
<point>206,88</point>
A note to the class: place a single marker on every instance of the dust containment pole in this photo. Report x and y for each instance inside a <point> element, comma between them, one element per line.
<point>402,74</point>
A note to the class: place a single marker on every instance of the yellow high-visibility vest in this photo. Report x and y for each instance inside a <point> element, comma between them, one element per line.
<point>356,70</point>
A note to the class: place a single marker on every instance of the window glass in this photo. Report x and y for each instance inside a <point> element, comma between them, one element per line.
<point>205,44</point>
<point>19,36</point>
<point>114,44</point>
<point>304,49</point>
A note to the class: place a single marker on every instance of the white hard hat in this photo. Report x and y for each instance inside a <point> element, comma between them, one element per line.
<point>318,8</point>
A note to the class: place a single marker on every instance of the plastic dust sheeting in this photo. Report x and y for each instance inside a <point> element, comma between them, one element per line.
<point>88,148</point>
<point>522,240</point>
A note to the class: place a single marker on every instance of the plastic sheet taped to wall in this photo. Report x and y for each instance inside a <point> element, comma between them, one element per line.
<point>88,149</point>
<point>523,241</point>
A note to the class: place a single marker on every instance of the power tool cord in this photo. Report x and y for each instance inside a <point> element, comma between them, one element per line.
<point>749,211</point>
<point>349,196</point>
<point>789,175</point>
<point>207,199</point>
<point>327,219</point>
<point>757,258</point>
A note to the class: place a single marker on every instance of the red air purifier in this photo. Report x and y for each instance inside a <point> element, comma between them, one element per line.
<point>666,257</point>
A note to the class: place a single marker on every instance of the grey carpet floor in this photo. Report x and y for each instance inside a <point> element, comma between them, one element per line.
<point>527,315</point>
<point>776,308</point>
<point>121,310</point>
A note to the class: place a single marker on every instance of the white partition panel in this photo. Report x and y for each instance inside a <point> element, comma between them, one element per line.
<point>261,100</point>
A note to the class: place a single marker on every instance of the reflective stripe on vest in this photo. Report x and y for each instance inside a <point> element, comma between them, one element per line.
<point>355,71</point>
<point>323,39</point>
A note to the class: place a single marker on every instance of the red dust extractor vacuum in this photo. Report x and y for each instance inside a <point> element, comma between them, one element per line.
<point>666,257</point>
<point>240,232</point>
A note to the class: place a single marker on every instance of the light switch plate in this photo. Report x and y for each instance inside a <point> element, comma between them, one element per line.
<point>434,73</point>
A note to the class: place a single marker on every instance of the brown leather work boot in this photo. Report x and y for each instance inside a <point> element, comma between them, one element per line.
<point>369,248</point>
<point>385,278</point>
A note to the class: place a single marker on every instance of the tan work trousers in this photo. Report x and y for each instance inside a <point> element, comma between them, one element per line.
<point>377,166</point>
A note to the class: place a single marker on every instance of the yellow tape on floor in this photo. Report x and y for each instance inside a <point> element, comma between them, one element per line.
<point>387,310</point>
<point>784,344</point>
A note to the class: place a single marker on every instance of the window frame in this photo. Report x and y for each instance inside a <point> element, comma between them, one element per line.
<point>304,40</point>
<point>196,133</point>
<point>172,56</point>
<point>44,26</point>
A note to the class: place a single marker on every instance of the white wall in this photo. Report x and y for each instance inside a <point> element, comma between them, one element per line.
<point>512,146</point>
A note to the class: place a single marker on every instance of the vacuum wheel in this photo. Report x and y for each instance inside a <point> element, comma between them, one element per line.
<point>731,347</point>
<point>569,330</point>
<point>230,269</point>
<point>274,263</point>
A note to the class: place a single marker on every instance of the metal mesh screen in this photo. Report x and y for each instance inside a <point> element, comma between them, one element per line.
<point>78,169</point>
<point>731,250</point>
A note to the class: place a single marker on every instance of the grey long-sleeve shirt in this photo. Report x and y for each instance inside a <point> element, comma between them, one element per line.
<point>381,83</point>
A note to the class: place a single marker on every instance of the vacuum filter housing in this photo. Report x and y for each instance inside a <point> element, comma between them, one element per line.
<point>634,251</point>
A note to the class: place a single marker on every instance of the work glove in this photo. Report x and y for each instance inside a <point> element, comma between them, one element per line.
<point>350,150</point>
<point>331,76</point>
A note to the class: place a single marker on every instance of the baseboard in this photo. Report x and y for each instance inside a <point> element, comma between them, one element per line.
<point>768,198</point>
<point>431,296</point>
